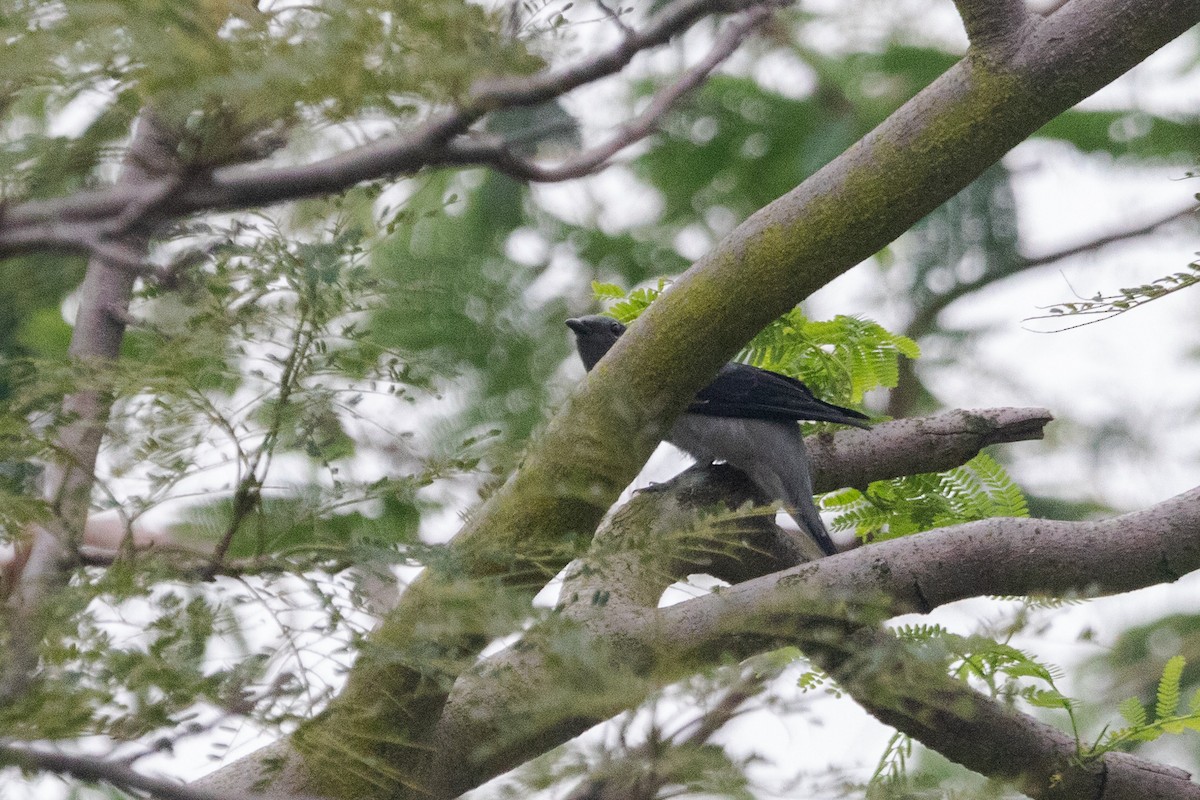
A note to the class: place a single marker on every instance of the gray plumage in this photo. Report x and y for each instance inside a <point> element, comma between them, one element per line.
<point>747,418</point>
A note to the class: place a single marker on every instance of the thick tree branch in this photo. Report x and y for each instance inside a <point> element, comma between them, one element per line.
<point>656,539</point>
<point>917,697</point>
<point>934,443</point>
<point>998,557</point>
<point>799,605</point>
<point>634,579</point>
<point>991,557</point>
<point>917,159</point>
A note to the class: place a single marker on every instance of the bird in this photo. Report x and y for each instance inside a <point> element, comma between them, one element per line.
<point>747,418</point>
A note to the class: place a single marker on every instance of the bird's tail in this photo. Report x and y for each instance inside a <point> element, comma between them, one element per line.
<point>789,478</point>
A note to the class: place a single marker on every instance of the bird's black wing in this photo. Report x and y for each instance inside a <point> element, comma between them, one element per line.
<point>740,390</point>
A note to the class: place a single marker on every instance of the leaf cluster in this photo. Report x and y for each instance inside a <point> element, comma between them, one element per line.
<point>1166,717</point>
<point>245,390</point>
<point>225,72</point>
<point>999,669</point>
<point>979,489</point>
<point>840,359</point>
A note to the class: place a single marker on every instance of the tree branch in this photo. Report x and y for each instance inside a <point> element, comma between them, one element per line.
<point>78,221</point>
<point>993,24</point>
<point>643,648</point>
<point>916,160</point>
<point>114,773</point>
<point>943,440</point>
<point>916,696</point>
<point>656,539</point>
<point>922,155</point>
<point>497,154</point>
<point>44,559</point>
<point>938,442</point>
<point>925,319</point>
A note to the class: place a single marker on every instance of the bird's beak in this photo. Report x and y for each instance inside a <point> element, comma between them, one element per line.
<point>577,325</point>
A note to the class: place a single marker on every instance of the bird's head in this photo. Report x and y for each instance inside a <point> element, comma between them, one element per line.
<point>594,334</point>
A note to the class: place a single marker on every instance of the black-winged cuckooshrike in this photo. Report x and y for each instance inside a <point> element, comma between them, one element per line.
<point>747,418</point>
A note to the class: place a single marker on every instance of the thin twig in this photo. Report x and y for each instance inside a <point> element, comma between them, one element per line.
<point>615,15</point>
<point>923,321</point>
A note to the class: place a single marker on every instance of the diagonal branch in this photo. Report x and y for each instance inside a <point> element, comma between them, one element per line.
<point>924,321</point>
<point>917,159</point>
<point>499,156</point>
<point>1189,212</point>
<point>915,695</point>
<point>940,441</point>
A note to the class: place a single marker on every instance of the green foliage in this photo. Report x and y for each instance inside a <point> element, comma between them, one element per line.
<point>1166,719</point>
<point>891,771</point>
<point>293,351</point>
<point>632,258</point>
<point>737,146</point>
<point>660,748</point>
<point>1131,662</point>
<point>259,366</point>
<point>462,307</point>
<point>262,353</point>
<point>627,306</point>
<point>224,73</point>
<point>840,359</point>
<point>970,240</point>
<point>979,489</point>
<point>31,324</point>
<point>997,668</point>
<point>138,668</point>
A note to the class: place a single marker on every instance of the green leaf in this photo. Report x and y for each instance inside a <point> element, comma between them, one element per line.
<point>607,291</point>
<point>1167,701</point>
<point>1047,698</point>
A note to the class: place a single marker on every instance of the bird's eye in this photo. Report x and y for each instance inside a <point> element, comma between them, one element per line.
<point>614,326</point>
